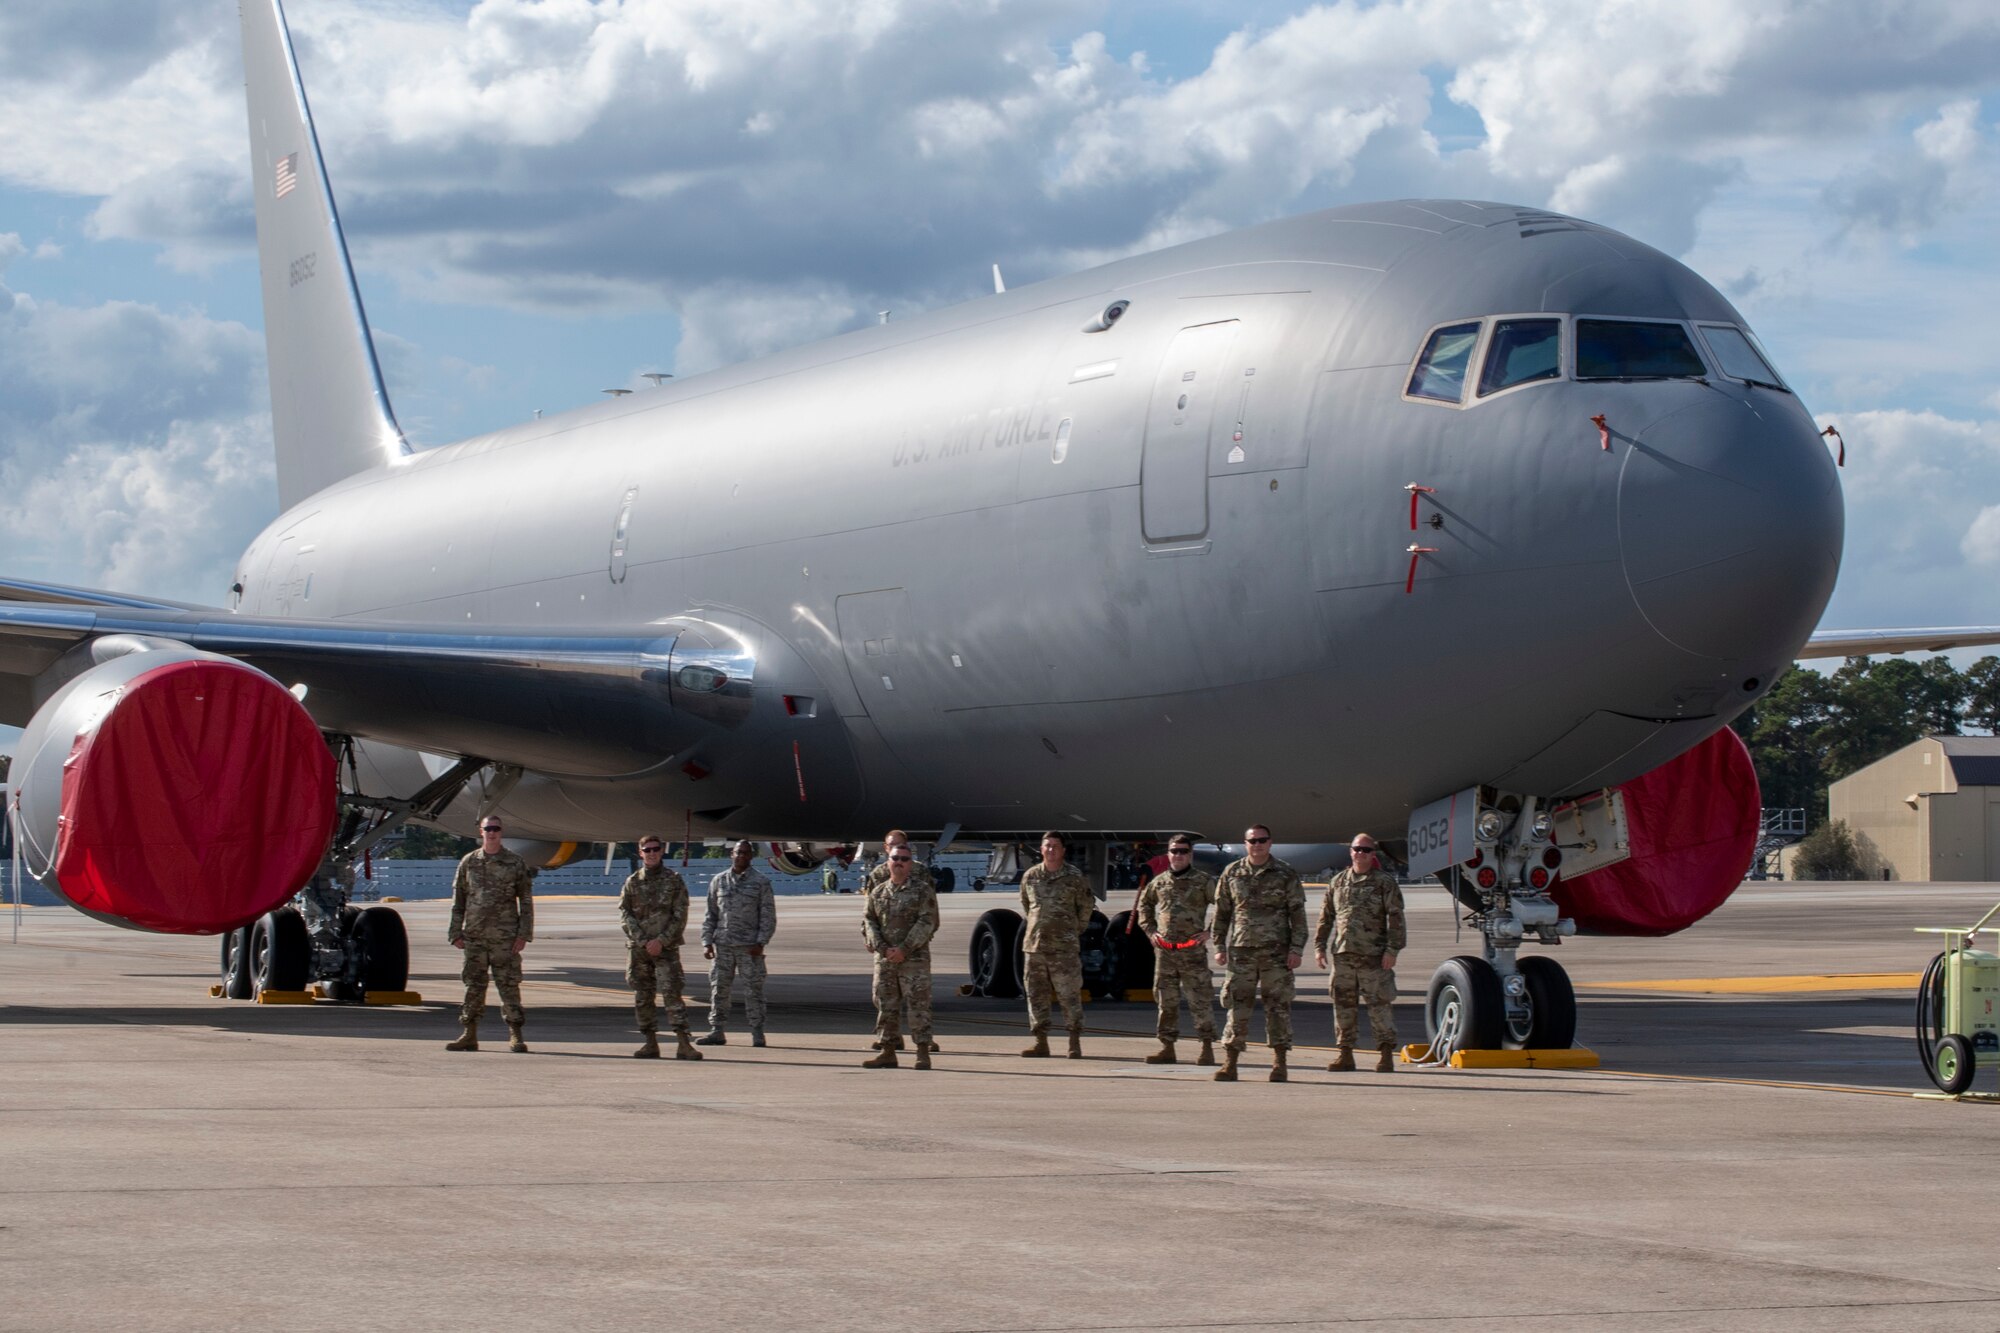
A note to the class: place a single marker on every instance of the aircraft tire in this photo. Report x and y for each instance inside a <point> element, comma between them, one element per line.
<point>1953,1065</point>
<point>280,951</point>
<point>1134,952</point>
<point>996,960</point>
<point>1551,1004</point>
<point>945,878</point>
<point>385,949</point>
<point>236,984</point>
<point>1464,1002</point>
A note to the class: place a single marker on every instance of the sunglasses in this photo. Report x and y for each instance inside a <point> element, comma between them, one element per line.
<point>491,828</point>
<point>651,851</point>
<point>1370,850</point>
<point>902,858</point>
<point>1254,841</point>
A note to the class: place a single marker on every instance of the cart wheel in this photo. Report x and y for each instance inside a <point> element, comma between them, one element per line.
<point>1954,1064</point>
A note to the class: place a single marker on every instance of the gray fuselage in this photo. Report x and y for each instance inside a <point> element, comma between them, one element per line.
<point>998,571</point>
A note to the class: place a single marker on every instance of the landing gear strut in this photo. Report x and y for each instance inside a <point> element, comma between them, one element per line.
<point>1498,999</point>
<point>319,936</point>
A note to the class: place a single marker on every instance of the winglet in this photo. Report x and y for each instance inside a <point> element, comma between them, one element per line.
<point>330,414</point>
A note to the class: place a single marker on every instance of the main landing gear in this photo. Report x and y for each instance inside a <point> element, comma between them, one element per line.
<point>1498,1000</point>
<point>320,937</point>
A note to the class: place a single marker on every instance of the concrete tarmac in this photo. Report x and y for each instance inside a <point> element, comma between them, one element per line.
<point>1745,1159</point>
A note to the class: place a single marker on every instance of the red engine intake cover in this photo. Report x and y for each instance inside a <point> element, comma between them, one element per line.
<point>203,800</point>
<point>1693,827</point>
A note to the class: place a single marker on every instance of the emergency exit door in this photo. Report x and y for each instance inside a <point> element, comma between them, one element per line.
<point>1173,474</point>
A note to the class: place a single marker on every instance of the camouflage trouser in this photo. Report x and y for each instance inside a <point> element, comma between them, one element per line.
<point>1178,972</point>
<point>1361,979</point>
<point>1057,976</point>
<point>495,958</point>
<point>900,984</point>
<point>1250,973</point>
<point>730,962</point>
<point>649,976</point>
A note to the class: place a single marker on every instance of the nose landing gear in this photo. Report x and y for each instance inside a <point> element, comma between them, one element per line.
<point>1499,1000</point>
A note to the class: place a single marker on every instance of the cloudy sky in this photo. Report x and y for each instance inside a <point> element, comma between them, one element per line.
<point>549,199</point>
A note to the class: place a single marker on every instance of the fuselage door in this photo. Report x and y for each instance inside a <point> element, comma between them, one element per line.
<point>619,530</point>
<point>1173,477</point>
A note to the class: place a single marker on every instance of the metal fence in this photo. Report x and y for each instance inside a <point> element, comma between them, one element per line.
<point>415,880</point>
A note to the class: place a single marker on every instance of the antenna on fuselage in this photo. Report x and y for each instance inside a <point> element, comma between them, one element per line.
<point>999,283</point>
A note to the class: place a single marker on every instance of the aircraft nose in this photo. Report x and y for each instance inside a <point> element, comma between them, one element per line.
<point>1730,523</point>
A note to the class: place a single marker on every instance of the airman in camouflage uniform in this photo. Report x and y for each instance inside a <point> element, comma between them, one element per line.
<point>901,918</point>
<point>653,909</point>
<point>1260,917</point>
<point>742,916</point>
<point>1362,915</point>
<point>1057,903</point>
<point>875,879</point>
<point>492,919</point>
<point>1173,912</point>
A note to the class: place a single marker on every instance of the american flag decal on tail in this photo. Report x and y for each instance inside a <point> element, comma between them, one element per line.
<point>287,175</point>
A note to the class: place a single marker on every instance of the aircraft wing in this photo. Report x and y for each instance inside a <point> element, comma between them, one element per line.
<point>1863,642</point>
<point>580,703</point>
<point>26,590</point>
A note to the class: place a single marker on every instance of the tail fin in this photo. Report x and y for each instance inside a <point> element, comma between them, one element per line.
<point>330,414</point>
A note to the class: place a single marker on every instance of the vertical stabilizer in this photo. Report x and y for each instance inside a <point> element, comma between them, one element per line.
<point>330,415</point>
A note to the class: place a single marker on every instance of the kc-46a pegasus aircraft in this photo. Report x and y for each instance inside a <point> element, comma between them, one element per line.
<point>1468,524</point>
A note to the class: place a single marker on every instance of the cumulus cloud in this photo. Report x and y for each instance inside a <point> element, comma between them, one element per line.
<point>1904,193</point>
<point>1922,520</point>
<point>1982,540</point>
<point>773,172</point>
<point>134,444</point>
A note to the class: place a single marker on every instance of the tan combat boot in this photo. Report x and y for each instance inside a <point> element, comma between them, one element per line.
<point>649,1049</point>
<point>1040,1050</point>
<point>924,1049</point>
<point>683,1048</point>
<point>883,1060</point>
<point>1165,1055</point>
<point>1076,1046</point>
<point>514,1042</point>
<point>1278,1073</point>
<point>1343,1060</point>
<point>1387,1063</point>
<point>1227,1074</point>
<point>888,1043</point>
<point>468,1040</point>
<point>1207,1051</point>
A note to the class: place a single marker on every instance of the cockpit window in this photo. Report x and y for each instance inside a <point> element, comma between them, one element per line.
<point>1440,372</point>
<point>1521,350</point>
<point>1738,355</point>
<point>1627,349</point>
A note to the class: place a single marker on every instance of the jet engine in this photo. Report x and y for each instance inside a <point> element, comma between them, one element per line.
<point>802,858</point>
<point>172,790</point>
<point>1691,825</point>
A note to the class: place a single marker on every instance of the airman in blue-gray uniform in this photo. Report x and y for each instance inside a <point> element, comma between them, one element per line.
<point>1260,921</point>
<point>742,916</point>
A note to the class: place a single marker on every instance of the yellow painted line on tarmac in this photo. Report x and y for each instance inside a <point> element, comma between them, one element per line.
<point>1821,981</point>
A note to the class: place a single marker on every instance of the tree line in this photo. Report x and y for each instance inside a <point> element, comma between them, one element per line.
<point>1811,730</point>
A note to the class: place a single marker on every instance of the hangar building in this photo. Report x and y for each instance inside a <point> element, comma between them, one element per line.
<point>1930,811</point>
